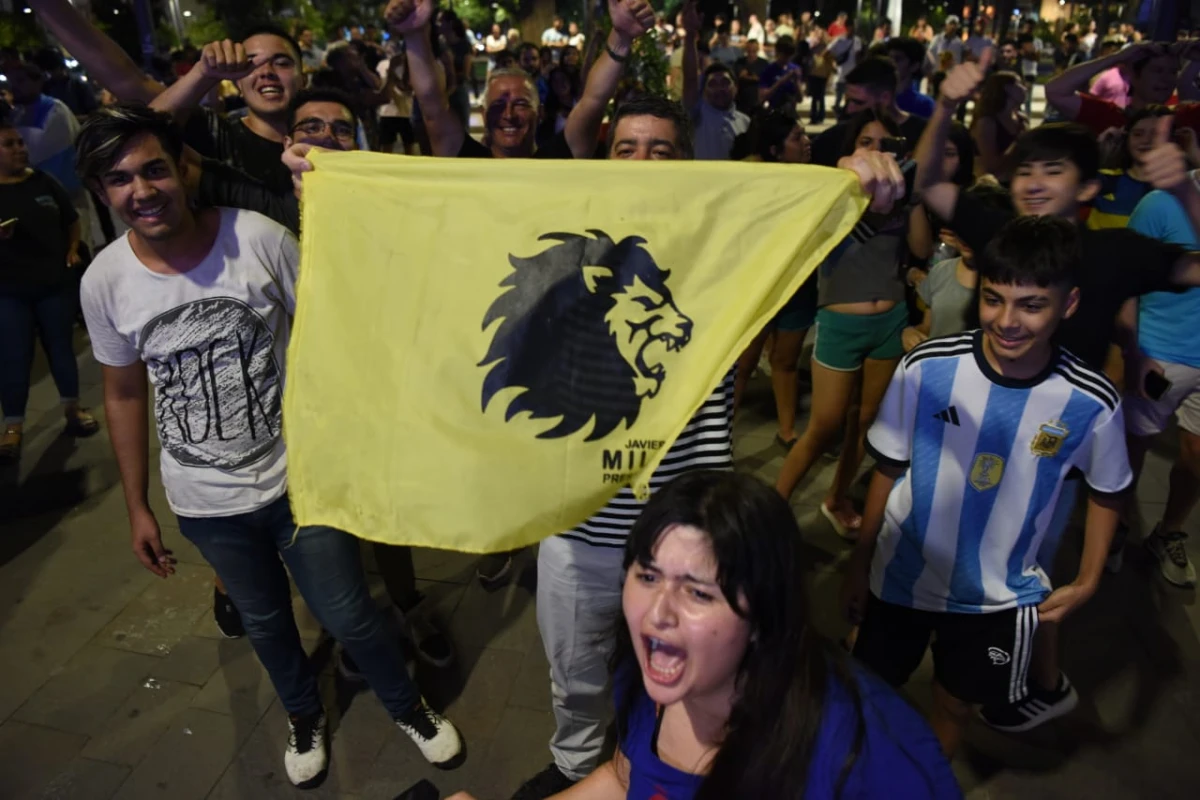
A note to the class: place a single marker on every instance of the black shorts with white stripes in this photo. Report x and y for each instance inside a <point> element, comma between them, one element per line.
<point>977,658</point>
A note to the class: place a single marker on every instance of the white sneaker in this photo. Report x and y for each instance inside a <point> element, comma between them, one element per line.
<point>306,759</point>
<point>434,735</point>
<point>1173,562</point>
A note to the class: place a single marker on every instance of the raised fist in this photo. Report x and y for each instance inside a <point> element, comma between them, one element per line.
<point>407,16</point>
<point>631,18</point>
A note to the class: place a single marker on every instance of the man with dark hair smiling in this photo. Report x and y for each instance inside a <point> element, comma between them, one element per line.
<point>253,143</point>
<point>199,305</point>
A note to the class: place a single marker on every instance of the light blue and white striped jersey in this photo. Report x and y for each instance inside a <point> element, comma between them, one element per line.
<point>986,457</point>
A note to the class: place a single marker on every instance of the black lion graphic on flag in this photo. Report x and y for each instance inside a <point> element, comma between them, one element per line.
<point>586,325</point>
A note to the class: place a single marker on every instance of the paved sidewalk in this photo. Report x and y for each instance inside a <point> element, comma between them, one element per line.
<point>116,684</point>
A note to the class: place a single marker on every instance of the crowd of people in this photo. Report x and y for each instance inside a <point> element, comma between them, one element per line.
<point>1005,332</point>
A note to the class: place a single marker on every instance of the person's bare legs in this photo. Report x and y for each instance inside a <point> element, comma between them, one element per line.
<point>745,367</point>
<point>833,391</point>
<point>876,375</point>
<point>785,358</point>
<point>1184,484</point>
<point>948,717</point>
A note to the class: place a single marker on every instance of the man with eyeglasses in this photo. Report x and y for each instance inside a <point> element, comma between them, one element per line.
<point>319,117</point>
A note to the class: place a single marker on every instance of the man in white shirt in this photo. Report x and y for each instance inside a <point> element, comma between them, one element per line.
<point>715,119</point>
<point>755,31</point>
<point>574,37</point>
<point>199,305</point>
<point>496,41</point>
<point>554,36</point>
<point>950,39</point>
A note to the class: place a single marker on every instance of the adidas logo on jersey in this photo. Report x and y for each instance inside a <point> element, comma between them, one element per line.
<point>948,415</point>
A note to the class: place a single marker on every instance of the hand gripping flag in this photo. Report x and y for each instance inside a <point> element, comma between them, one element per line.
<point>485,352</point>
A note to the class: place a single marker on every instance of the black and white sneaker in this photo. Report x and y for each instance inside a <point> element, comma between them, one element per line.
<point>306,758</point>
<point>225,614</point>
<point>1038,707</point>
<point>435,736</point>
<point>546,783</point>
<point>493,570</point>
<point>1169,547</point>
<point>430,644</point>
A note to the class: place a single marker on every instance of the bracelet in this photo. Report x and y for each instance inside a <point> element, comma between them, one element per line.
<point>614,56</point>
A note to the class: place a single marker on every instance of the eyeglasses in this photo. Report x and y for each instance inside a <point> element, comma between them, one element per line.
<point>339,129</point>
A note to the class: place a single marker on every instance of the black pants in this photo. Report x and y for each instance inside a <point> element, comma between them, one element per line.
<point>816,91</point>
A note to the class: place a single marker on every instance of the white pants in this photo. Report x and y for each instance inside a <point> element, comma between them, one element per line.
<point>578,607</point>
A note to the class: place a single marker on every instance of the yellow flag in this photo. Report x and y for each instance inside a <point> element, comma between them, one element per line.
<point>485,352</point>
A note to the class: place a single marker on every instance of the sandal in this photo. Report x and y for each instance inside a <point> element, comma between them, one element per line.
<point>786,444</point>
<point>850,533</point>
<point>10,444</point>
<point>82,424</point>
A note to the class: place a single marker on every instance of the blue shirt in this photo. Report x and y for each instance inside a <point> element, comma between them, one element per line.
<point>915,103</point>
<point>985,457</point>
<point>784,94</point>
<point>899,758</point>
<point>1167,320</point>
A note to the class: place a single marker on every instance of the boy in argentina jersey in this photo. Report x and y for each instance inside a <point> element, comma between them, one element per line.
<point>973,441</point>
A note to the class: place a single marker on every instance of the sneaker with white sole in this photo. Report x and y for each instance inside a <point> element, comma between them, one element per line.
<point>1171,552</point>
<point>1039,707</point>
<point>434,735</point>
<point>306,758</point>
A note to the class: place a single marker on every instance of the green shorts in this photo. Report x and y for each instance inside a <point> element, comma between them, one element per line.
<point>844,341</point>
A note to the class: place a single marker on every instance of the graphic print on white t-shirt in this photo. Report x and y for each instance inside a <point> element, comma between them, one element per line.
<point>220,389</point>
<point>214,342</point>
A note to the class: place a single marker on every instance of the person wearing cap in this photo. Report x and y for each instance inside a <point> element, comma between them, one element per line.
<point>949,40</point>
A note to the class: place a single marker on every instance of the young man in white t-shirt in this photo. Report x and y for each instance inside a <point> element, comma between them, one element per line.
<point>201,303</point>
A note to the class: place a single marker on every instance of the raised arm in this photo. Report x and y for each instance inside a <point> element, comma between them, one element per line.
<point>1063,91</point>
<point>103,58</point>
<point>225,60</point>
<point>631,19</point>
<point>410,19</point>
<point>935,190</point>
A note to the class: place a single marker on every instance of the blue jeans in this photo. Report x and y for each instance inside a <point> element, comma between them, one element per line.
<point>50,315</point>
<point>245,551</point>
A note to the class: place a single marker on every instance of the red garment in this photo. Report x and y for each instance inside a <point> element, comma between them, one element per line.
<point>836,30</point>
<point>1100,115</point>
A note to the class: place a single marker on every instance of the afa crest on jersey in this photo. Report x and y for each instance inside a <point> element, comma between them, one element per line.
<point>1049,438</point>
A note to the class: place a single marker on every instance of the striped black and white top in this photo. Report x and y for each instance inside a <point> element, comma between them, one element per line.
<point>706,443</point>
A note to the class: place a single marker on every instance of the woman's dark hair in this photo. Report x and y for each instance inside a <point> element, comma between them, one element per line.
<point>960,137</point>
<point>553,104</point>
<point>994,94</point>
<point>456,24</point>
<point>107,131</point>
<point>784,675</point>
<point>861,120</point>
<point>769,131</point>
<point>1152,111</point>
